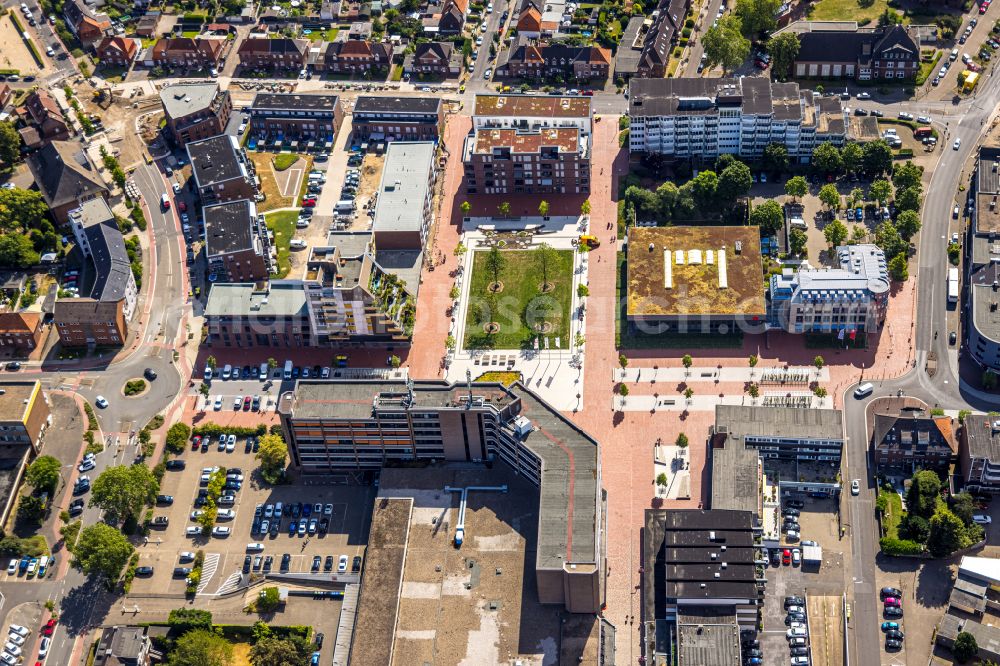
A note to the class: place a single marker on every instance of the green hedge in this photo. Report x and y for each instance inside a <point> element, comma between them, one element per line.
<point>34,52</point>
<point>903,154</point>
<point>892,546</point>
<point>10,72</point>
<point>245,632</point>
<point>214,429</point>
<point>17,24</point>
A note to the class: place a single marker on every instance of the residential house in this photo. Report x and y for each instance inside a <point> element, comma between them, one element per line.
<point>6,92</point>
<point>436,59</point>
<point>88,25</point>
<point>704,118</point>
<point>865,54</point>
<point>296,117</point>
<point>979,453</point>
<point>907,436</point>
<point>280,53</point>
<point>101,317</point>
<point>190,52</point>
<point>398,118</point>
<point>529,59</point>
<point>123,646</point>
<point>221,169</point>
<point>355,56</point>
<point>236,245</point>
<point>662,36</point>
<point>65,177</point>
<point>20,332</point>
<point>44,120</point>
<point>117,51</point>
<point>148,24</point>
<point>452,20</point>
<point>195,111</point>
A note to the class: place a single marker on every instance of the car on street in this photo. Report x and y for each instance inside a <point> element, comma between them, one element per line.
<point>856,487</point>
<point>952,337</point>
<point>101,402</point>
<point>149,374</point>
<point>981,519</point>
<point>957,144</point>
<point>86,465</point>
<point>164,499</point>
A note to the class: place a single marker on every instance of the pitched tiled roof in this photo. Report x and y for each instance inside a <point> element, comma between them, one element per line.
<point>439,50</point>
<point>281,45</point>
<point>530,20</point>
<point>64,174</point>
<point>123,45</point>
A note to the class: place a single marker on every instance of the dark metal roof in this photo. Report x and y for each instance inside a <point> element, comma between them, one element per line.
<point>293,102</point>
<point>372,104</point>
<point>229,227</point>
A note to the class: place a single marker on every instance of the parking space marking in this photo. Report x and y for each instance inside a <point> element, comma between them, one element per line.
<point>208,570</point>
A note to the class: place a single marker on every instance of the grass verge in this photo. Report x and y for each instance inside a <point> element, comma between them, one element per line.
<point>284,160</point>
<point>282,225</point>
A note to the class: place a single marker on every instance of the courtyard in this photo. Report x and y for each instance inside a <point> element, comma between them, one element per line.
<point>527,298</point>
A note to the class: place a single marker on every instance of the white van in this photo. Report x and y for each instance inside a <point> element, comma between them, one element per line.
<point>864,390</point>
<point>954,55</point>
<point>227,371</point>
<point>264,372</point>
<point>317,176</point>
<point>255,547</point>
<point>287,374</point>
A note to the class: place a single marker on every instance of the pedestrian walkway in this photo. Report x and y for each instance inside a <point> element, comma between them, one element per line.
<point>208,570</point>
<point>653,403</point>
<point>772,375</point>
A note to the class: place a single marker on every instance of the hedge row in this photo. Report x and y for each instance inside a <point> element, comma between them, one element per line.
<point>892,546</point>
<point>214,430</point>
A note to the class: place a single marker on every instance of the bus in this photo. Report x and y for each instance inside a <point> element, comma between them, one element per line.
<point>953,285</point>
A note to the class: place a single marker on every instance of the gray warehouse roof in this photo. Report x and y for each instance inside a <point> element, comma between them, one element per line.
<point>983,295</point>
<point>983,433</point>
<point>395,105</point>
<point>570,477</point>
<point>282,298</point>
<point>186,98</point>
<point>735,476</point>
<point>229,227</point>
<point>293,102</point>
<point>739,422</point>
<point>215,160</point>
<point>404,187</point>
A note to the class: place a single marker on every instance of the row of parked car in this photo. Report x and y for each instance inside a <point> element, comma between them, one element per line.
<point>305,519</point>
<point>892,608</point>
<point>798,630</point>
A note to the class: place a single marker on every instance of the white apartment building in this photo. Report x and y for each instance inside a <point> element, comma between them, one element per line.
<point>851,299</point>
<point>695,117</point>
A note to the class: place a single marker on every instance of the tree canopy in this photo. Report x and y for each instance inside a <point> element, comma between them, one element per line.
<point>965,647</point>
<point>102,551</point>
<point>725,44</point>
<point>757,16</point>
<point>835,233</point>
<point>734,183</point>
<point>123,490</point>
<point>775,157</point>
<point>43,473</point>
<point>829,196</point>
<point>10,143</point>
<point>784,48</point>
<point>768,217</point>
<point>877,158</point>
<point>271,651</point>
<point>922,495</point>
<point>272,455</point>
<point>826,159</point>
<point>797,187</point>
<point>201,647</point>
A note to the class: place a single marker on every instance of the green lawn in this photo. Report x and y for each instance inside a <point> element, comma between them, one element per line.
<point>322,35</point>
<point>521,302</point>
<point>282,161</point>
<point>282,224</point>
<point>893,514</point>
<point>852,10</point>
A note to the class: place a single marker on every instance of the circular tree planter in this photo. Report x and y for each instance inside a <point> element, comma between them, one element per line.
<point>137,394</point>
<point>543,327</point>
<point>546,287</point>
<point>492,328</point>
<point>495,287</point>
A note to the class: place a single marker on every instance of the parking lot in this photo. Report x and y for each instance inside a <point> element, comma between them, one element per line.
<point>820,586</point>
<point>345,508</point>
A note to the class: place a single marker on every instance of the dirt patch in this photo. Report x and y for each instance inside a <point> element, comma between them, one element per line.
<point>280,188</point>
<point>15,53</point>
<point>371,176</point>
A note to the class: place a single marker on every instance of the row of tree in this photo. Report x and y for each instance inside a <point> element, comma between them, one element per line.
<point>706,195</point>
